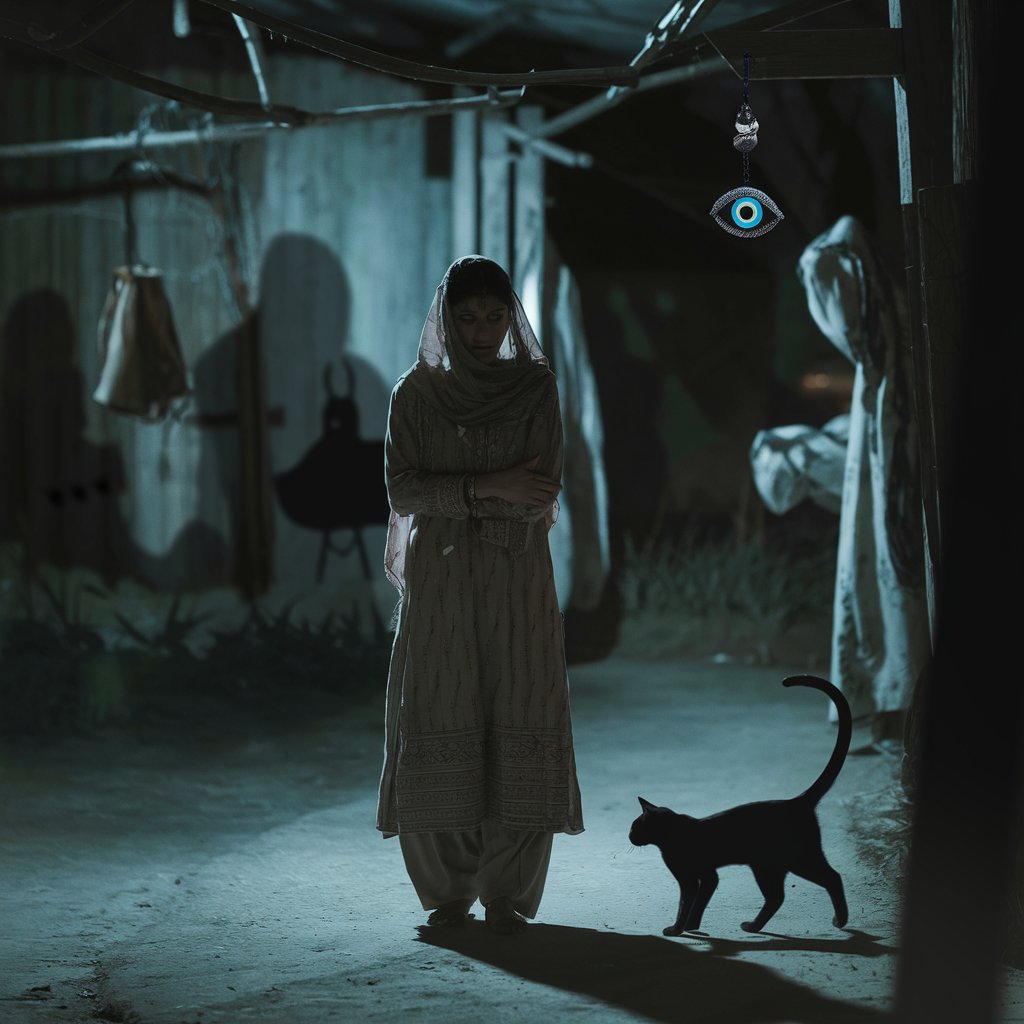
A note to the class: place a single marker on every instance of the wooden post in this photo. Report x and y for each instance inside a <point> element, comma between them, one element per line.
<point>924,123</point>
<point>254,542</point>
<point>966,751</point>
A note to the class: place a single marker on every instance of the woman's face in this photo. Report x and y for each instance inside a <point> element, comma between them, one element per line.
<point>481,324</point>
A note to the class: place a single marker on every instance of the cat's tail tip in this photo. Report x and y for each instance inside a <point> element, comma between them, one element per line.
<point>822,685</point>
<point>815,682</point>
<point>803,679</point>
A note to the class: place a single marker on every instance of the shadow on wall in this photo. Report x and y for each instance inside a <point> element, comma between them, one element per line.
<point>338,485</point>
<point>60,490</point>
<point>282,371</point>
<point>57,488</point>
<point>264,446</point>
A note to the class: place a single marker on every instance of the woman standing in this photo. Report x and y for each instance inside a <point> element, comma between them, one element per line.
<point>479,768</point>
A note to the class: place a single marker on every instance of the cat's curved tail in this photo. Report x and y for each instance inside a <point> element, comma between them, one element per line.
<point>823,783</point>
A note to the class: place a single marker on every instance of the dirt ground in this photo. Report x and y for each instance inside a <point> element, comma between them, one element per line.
<point>224,867</point>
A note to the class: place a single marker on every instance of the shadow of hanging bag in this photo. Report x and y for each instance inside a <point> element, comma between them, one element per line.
<point>143,368</point>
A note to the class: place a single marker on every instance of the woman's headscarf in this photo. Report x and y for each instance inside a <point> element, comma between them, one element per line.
<point>464,390</point>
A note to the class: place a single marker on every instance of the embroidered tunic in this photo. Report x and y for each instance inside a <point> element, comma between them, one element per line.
<point>477,721</point>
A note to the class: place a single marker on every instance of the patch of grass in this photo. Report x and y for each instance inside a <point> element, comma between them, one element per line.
<point>763,602</point>
<point>74,660</point>
<point>880,821</point>
<point>337,653</point>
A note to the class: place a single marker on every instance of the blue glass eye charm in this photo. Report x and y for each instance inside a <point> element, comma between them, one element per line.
<point>748,207</point>
<point>751,212</point>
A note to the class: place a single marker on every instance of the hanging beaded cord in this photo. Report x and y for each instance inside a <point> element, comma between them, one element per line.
<point>747,205</point>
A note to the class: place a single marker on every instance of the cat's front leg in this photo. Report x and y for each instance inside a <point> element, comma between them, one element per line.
<point>687,895</point>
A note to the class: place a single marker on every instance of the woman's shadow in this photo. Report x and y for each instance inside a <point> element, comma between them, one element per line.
<point>294,422</point>
<point>665,979</point>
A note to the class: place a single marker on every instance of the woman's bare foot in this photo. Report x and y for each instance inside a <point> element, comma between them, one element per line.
<point>451,915</point>
<point>500,917</point>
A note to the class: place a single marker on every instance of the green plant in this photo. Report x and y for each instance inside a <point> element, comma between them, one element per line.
<point>698,595</point>
<point>335,654</point>
<point>67,666</point>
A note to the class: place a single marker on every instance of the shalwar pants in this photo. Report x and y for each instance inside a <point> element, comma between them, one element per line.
<point>478,864</point>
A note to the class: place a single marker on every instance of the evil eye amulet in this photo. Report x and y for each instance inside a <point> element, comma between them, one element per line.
<point>751,212</point>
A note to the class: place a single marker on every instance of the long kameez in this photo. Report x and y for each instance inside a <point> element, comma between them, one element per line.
<point>478,722</point>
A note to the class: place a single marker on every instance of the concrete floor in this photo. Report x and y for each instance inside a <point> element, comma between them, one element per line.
<point>228,870</point>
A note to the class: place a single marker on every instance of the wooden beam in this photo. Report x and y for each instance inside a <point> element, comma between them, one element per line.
<point>825,53</point>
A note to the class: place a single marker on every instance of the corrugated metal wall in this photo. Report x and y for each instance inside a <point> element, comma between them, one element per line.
<point>339,239</point>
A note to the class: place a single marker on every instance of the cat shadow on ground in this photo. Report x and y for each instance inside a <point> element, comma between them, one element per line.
<point>657,978</point>
<point>855,943</point>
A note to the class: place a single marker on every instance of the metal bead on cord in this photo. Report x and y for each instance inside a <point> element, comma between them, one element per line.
<point>747,205</point>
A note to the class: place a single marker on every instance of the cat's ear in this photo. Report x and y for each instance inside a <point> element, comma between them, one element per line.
<point>645,804</point>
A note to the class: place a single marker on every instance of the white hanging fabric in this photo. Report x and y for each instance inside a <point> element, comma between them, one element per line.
<point>798,462</point>
<point>880,633</point>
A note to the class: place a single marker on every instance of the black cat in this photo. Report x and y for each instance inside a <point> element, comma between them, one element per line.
<point>772,837</point>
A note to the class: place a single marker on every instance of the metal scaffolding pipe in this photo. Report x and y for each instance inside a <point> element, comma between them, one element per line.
<point>560,154</point>
<point>401,68</point>
<point>235,133</point>
<point>251,38</point>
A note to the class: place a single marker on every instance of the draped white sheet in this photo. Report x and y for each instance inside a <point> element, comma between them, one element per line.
<point>798,462</point>
<point>880,632</point>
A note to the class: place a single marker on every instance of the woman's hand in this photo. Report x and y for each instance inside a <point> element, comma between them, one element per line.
<point>519,484</point>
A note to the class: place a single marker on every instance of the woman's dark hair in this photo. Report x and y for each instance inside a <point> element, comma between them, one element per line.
<point>475,276</point>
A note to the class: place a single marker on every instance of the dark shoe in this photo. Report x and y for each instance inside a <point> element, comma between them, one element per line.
<point>500,917</point>
<point>451,915</point>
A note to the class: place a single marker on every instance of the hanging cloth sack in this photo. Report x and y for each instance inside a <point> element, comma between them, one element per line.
<point>143,368</point>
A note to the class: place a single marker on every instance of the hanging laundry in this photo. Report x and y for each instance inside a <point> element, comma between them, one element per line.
<point>143,368</point>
